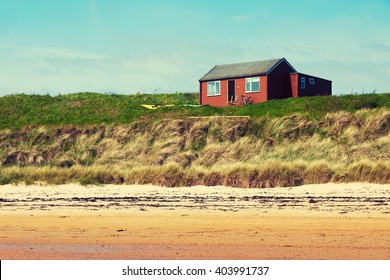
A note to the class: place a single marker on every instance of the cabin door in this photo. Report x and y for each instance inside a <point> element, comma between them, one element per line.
<point>232,91</point>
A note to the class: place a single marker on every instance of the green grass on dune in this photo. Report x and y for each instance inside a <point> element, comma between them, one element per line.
<point>19,110</point>
<point>87,108</point>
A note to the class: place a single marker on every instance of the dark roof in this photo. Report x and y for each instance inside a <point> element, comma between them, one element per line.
<point>246,69</point>
<point>311,76</point>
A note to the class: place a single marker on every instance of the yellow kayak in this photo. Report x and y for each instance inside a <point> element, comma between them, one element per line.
<point>153,107</point>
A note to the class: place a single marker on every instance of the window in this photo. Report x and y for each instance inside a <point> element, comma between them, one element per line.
<point>213,88</point>
<point>252,84</point>
<point>312,81</point>
<point>303,83</point>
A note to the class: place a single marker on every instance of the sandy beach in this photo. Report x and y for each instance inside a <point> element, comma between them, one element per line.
<point>331,221</point>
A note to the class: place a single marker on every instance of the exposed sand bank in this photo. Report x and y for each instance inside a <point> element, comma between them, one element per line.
<point>332,221</point>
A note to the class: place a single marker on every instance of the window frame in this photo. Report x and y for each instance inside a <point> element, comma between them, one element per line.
<point>312,81</point>
<point>217,88</point>
<point>303,83</point>
<point>250,79</point>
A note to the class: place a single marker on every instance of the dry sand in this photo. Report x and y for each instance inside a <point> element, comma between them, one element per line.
<point>332,221</point>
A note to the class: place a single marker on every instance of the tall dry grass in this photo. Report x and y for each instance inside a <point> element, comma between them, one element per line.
<point>264,152</point>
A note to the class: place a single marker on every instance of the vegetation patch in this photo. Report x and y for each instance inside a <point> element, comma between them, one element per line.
<point>82,109</point>
<point>283,143</point>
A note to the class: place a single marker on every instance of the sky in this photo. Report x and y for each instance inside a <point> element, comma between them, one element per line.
<point>150,46</point>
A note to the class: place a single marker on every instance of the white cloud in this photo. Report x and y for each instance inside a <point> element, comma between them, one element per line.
<point>44,69</point>
<point>36,51</point>
<point>63,53</point>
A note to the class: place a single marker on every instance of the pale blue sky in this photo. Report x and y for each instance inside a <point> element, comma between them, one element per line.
<point>126,46</point>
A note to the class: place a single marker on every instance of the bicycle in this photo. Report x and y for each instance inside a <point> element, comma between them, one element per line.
<point>245,100</point>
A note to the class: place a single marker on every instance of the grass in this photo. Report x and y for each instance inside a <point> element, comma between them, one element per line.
<point>99,139</point>
<point>272,173</point>
<point>83,109</point>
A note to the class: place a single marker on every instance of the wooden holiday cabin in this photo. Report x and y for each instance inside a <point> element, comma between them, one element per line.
<point>262,80</point>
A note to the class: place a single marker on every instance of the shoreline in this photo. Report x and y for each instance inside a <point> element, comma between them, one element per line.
<point>225,223</point>
<point>359,199</point>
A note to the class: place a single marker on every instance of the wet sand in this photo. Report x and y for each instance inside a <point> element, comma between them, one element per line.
<point>332,221</point>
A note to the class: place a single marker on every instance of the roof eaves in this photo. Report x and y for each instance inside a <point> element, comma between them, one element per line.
<point>232,77</point>
<point>202,79</point>
<point>315,77</point>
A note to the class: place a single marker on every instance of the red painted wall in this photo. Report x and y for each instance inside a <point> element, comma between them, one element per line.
<point>222,99</point>
<point>217,100</point>
<point>294,84</point>
<point>257,97</point>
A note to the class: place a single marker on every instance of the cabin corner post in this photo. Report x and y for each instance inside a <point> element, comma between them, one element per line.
<point>200,93</point>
